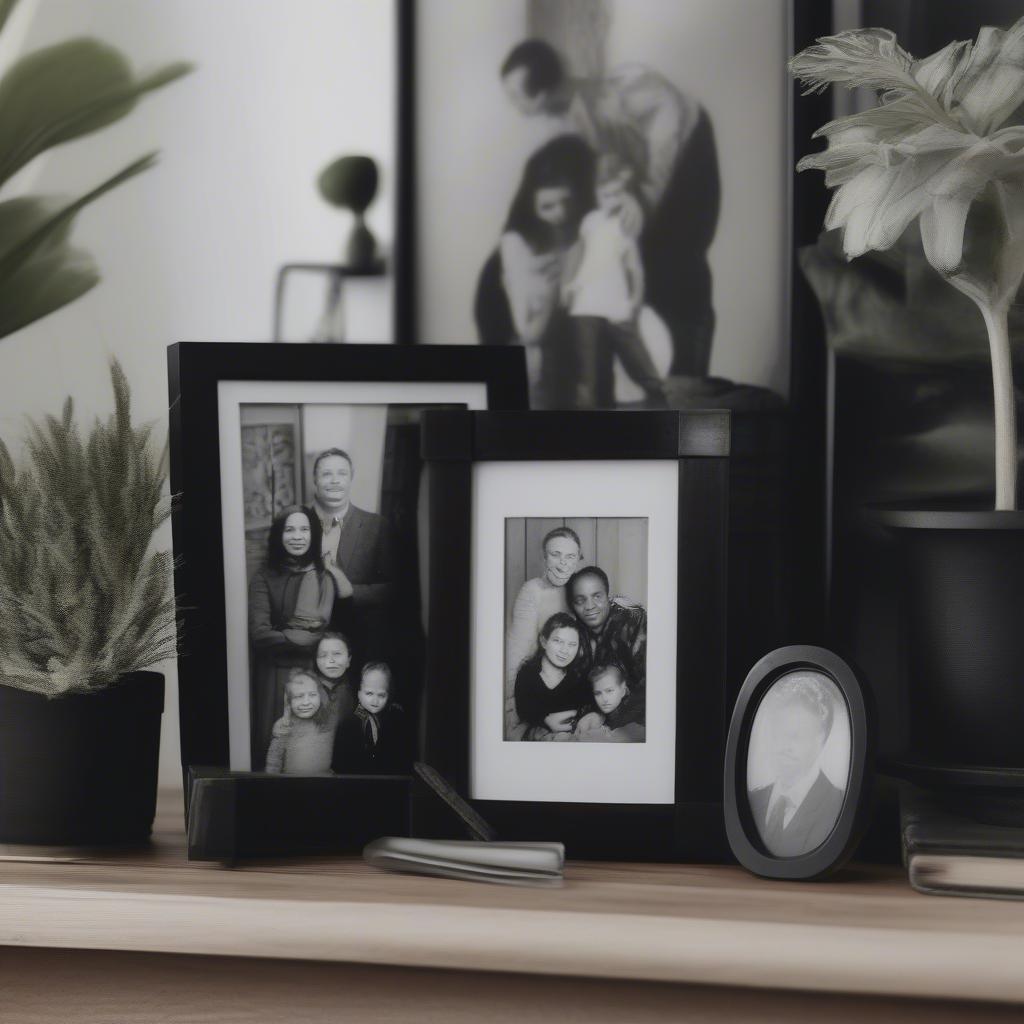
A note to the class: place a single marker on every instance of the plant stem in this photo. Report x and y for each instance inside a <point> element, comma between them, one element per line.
<point>996,322</point>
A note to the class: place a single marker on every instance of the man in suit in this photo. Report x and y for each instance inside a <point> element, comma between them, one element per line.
<point>360,544</point>
<point>795,814</point>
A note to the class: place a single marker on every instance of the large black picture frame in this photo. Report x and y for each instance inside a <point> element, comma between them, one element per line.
<point>807,479</point>
<point>692,827</point>
<point>195,369</point>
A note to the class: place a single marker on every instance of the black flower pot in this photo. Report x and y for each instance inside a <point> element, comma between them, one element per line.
<point>963,637</point>
<point>80,770</point>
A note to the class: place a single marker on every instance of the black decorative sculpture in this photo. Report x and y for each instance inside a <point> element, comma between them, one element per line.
<point>350,183</point>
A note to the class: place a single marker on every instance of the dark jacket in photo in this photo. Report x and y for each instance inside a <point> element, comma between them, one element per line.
<point>810,825</point>
<point>622,641</point>
<point>379,744</point>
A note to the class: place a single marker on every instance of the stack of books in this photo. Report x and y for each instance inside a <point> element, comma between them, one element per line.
<point>947,852</point>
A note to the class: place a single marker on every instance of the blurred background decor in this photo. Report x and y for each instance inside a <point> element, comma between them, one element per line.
<point>87,609</point>
<point>48,97</point>
<point>914,374</point>
<point>348,183</point>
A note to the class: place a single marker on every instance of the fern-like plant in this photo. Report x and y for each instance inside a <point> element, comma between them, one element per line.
<point>83,601</point>
<point>937,149</point>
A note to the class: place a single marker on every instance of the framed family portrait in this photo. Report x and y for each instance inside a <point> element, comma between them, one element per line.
<point>576,666</point>
<point>629,168</point>
<point>299,524</point>
<point>798,764</point>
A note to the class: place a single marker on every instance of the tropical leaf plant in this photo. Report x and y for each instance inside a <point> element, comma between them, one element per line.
<point>52,96</point>
<point>82,600</point>
<point>937,149</point>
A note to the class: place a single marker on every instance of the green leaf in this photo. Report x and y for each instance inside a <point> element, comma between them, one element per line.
<point>43,231</point>
<point>43,285</point>
<point>21,218</point>
<point>65,91</point>
<point>6,7</point>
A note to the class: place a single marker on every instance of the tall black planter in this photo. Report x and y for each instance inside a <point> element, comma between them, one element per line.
<point>80,770</point>
<point>963,633</point>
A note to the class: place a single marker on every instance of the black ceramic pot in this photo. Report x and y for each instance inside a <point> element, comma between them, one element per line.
<point>963,634</point>
<point>80,770</point>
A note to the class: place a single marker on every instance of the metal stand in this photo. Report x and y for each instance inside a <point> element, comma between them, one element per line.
<point>331,326</point>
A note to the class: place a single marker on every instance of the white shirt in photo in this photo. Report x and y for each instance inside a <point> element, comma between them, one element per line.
<point>600,285</point>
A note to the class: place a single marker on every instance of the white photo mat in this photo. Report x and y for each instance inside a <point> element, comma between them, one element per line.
<point>231,396</point>
<point>607,773</point>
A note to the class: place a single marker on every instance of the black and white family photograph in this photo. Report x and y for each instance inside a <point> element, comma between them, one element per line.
<point>576,629</point>
<point>336,643</point>
<point>626,184</point>
<point>798,762</point>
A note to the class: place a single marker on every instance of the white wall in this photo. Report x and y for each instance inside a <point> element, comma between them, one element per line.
<point>189,250</point>
<point>358,430</point>
<point>728,54</point>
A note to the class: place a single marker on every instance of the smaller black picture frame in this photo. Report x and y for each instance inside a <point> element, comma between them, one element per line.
<point>195,369</point>
<point>740,827</point>
<point>691,828</point>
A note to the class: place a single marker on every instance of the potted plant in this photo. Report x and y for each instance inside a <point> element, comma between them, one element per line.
<point>938,150</point>
<point>85,610</point>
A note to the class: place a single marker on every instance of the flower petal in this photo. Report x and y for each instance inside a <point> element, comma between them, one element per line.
<point>992,84</point>
<point>942,232</point>
<point>935,73</point>
<point>868,57</point>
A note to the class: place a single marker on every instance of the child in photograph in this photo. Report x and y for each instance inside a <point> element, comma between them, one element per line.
<point>548,690</point>
<point>304,748</point>
<point>604,292</point>
<point>330,666</point>
<point>375,738</point>
<point>332,662</point>
<point>619,717</point>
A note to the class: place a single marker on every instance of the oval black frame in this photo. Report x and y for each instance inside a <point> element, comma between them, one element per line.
<point>739,823</point>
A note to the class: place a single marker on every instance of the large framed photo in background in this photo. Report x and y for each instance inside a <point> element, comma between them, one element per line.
<point>576,683</point>
<point>628,167</point>
<point>298,527</point>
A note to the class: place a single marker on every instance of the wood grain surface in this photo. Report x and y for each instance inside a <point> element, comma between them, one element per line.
<point>866,932</point>
<point>42,986</point>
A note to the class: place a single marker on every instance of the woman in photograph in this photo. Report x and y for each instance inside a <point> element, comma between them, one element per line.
<point>291,599</point>
<point>548,690</point>
<point>519,291</point>
<point>541,597</point>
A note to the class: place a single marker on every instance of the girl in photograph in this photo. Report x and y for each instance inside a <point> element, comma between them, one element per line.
<point>376,738</point>
<point>548,690</point>
<point>305,747</point>
<point>330,666</point>
<point>541,597</point>
<point>604,292</point>
<point>616,715</point>
<point>519,292</point>
<point>291,599</point>
<point>331,663</point>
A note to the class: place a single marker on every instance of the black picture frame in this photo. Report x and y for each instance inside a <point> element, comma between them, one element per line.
<point>692,827</point>
<point>195,369</point>
<point>742,832</point>
<point>807,408</point>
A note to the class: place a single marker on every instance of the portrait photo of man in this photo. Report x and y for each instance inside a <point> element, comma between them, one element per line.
<point>798,807</point>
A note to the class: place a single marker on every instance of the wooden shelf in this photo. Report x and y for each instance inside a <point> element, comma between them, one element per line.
<point>865,933</point>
